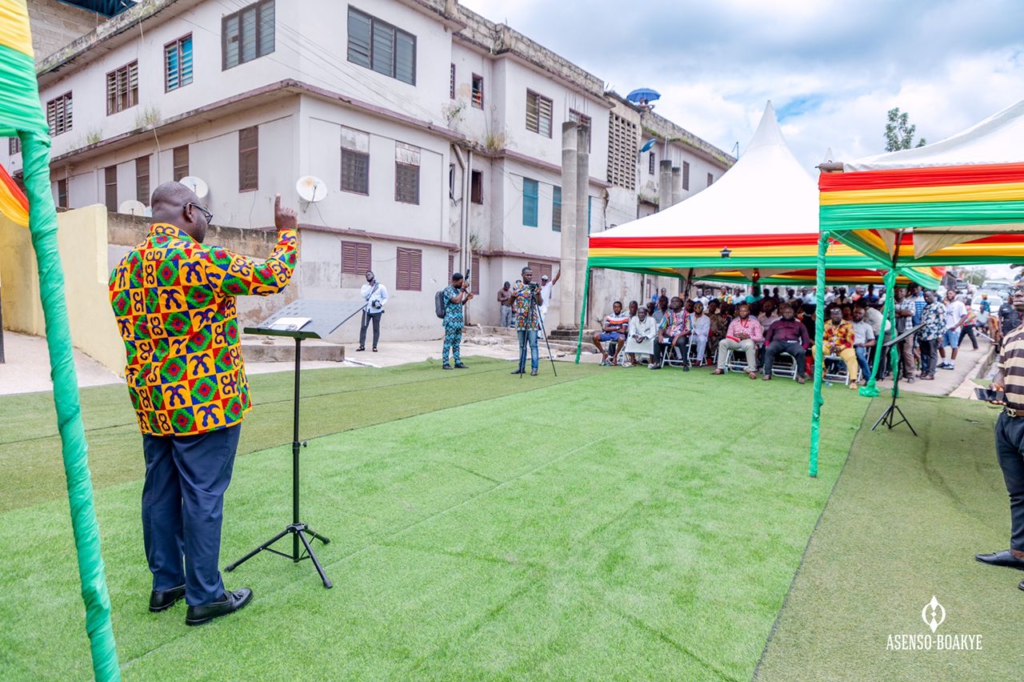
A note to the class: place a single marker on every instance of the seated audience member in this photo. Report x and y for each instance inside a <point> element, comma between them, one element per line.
<point>640,340</point>
<point>863,341</point>
<point>872,315</point>
<point>744,334</point>
<point>767,317</point>
<point>613,330</point>
<point>674,332</point>
<point>839,342</point>
<point>719,323</point>
<point>701,329</point>
<point>651,306</point>
<point>688,306</point>
<point>633,307</point>
<point>787,335</point>
<point>661,309</point>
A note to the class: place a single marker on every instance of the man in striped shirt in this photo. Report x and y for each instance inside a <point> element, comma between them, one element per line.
<point>1010,438</point>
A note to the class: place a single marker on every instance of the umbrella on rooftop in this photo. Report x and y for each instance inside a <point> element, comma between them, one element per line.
<point>643,95</point>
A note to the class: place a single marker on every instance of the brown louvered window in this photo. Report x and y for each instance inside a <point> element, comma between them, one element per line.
<point>539,270</point>
<point>355,258</point>
<point>476,187</point>
<point>451,265</point>
<point>711,179</point>
<point>622,152</point>
<point>180,162</point>
<point>248,159</point>
<point>475,272</point>
<point>686,175</point>
<point>651,164</point>
<point>355,161</point>
<point>58,114</point>
<point>142,179</point>
<point>247,34</point>
<point>451,83</point>
<point>14,145</point>
<point>538,113</point>
<point>123,88</point>
<point>62,193</point>
<point>110,188</point>
<point>407,174</point>
<point>410,269</point>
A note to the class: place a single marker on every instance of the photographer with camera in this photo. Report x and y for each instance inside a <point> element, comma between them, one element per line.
<point>526,302</point>
<point>455,297</point>
<point>376,297</point>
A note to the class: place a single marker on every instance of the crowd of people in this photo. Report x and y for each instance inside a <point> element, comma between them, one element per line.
<point>728,327</point>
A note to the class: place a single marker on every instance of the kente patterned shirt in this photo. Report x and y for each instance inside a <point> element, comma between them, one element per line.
<point>524,318</point>
<point>174,301</point>
<point>838,335</point>
<point>674,324</point>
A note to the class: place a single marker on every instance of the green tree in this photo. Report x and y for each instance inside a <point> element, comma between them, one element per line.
<point>899,133</point>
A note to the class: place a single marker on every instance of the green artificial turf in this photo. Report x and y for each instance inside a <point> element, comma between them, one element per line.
<point>904,523</point>
<point>613,524</point>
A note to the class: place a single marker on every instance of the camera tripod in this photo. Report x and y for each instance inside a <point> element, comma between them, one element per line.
<point>540,325</point>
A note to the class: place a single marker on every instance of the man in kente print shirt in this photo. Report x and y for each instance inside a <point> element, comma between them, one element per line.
<point>174,302</point>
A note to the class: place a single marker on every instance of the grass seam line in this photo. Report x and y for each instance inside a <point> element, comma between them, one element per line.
<point>810,538</point>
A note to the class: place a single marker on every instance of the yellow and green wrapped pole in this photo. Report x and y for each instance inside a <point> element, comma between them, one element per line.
<point>583,314</point>
<point>21,114</point>
<point>819,358</point>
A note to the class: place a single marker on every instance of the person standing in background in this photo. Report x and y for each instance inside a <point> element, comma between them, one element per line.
<point>375,296</point>
<point>505,304</point>
<point>547,285</point>
<point>526,303</point>
<point>455,296</point>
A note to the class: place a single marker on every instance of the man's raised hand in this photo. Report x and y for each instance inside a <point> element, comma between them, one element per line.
<point>285,218</point>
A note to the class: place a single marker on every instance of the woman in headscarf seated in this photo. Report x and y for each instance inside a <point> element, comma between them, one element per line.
<point>640,340</point>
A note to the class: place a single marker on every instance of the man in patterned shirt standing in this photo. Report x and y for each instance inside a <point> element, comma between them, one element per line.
<point>174,302</point>
<point>526,302</point>
<point>455,297</point>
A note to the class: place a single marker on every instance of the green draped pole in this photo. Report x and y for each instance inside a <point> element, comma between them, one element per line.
<point>583,314</point>
<point>43,225</point>
<point>870,390</point>
<point>819,358</point>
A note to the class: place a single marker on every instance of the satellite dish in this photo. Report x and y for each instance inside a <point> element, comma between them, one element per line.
<point>132,207</point>
<point>197,185</point>
<point>311,188</point>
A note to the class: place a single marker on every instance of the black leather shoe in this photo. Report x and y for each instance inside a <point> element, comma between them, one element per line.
<point>161,600</point>
<point>519,371</point>
<point>228,603</point>
<point>459,365</point>
<point>446,366</point>
<point>1004,558</point>
<point>360,348</point>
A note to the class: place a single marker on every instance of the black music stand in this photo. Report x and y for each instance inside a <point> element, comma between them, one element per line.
<point>323,318</point>
<point>889,416</point>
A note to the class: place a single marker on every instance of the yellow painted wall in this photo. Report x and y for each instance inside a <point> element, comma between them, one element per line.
<point>82,239</point>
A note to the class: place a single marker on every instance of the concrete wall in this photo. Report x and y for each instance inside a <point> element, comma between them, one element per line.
<point>82,241</point>
<point>55,24</point>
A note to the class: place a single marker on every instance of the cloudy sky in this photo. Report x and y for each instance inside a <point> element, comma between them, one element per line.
<point>832,69</point>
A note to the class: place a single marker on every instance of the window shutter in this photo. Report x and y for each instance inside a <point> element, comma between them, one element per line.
<point>451,84</point>
<point>172,68</point>
<point>363,262</point>
<point>556,209</point>
<point>266,28</point>
<point>532,112</point>
<point>530,191</point>
<point>181,168</point>
<point>544,106</point>
<point>186,60</point>
<point>405,57</point>
<point>686,175</point>
<point>355,258</point>
<point>142,179</point>
<point>231,41</point>
<point>475,283</point>
<point>110,187</point>
<point>358,38</point>
<point>451,265</point>
<point>410,269</point>
<point>711,179</point>
<point>248,159</point>
<point>383,53</point>
<point>402,273</point>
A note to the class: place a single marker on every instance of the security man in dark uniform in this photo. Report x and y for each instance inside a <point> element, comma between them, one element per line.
<point>1010,435</point>
<point>1009,318</point>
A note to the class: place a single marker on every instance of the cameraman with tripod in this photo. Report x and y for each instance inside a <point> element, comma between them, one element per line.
<point>526,302</point>
<point>376,296</point>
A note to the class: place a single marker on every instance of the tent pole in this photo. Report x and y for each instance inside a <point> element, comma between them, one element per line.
<point>583,313</point>
<point>871,391</point>
<point>819,358</point>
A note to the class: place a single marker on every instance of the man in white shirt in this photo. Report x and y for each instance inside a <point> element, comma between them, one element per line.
<point>547,285</point>
<point>375,297</point>
<point>956,315</point>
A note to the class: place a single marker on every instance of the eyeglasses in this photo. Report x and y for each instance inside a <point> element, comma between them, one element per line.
<point>209,216</point>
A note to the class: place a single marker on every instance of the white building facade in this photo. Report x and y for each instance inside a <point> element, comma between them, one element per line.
<point>436,132</point>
